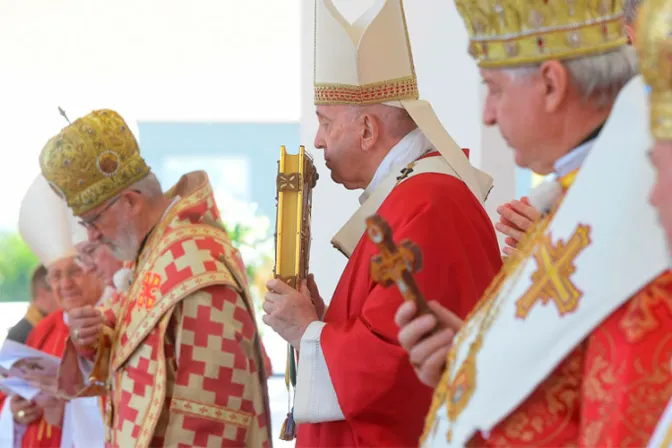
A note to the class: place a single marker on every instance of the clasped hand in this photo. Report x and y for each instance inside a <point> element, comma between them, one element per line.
<point>289,312</point>
<point>516,218</point>
<point>86,325</point>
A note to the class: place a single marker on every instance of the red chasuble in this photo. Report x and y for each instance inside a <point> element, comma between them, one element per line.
<point>611,390</point>
<point>383,402</point>
<point>48,336</point>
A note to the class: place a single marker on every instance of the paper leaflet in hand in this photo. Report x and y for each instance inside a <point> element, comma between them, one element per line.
<point>16,360</point>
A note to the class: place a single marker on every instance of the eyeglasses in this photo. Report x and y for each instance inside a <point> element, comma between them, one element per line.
<point>90,224</point>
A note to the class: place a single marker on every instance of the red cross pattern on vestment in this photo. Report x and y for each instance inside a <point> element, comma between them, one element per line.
<point>127,414</point>
<point>202,326</point>
<point>147,296</point>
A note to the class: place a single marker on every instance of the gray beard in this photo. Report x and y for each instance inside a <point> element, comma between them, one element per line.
<point>124,253</point>
<point>125,247</point>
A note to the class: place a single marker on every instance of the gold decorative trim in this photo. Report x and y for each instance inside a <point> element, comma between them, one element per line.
<point>379,92</point>
<point>158,394</point>
<point>289,182</point>
<point>600,36</point>
<point>144,324</point>
<point>211,412</point>
<point>33,315</point>
<point>661,114</point>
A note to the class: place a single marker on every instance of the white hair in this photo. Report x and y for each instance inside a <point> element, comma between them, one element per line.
<point>630,11</point>
<point>149,187</point>
<point>602,75</point>
<point>397,120</point>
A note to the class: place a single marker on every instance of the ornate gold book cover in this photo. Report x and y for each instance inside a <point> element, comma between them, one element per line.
<point>296,179</point>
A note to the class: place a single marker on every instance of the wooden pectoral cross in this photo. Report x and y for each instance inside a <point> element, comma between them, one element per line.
<point>396,265</point>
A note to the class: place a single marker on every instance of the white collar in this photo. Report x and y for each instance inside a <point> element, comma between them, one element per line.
<point>573,159</point>
<point>410,148</point>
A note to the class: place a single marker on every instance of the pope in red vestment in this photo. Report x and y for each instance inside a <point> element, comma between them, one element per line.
<point>355,385</point>
<point>381,400</point>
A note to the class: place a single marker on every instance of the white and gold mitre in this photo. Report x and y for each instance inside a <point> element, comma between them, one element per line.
<point>582,264</point>
<point>47,225</point>
<point>370,62</point>
<point>517,32</point>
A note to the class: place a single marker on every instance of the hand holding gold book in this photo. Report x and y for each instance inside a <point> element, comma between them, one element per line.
<point>296,179</point>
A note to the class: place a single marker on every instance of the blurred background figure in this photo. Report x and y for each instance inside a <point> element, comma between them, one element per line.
<point>42,303</point>
<point>45,421</point>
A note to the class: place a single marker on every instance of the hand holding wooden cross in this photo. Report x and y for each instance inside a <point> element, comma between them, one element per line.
<point>396,264</point>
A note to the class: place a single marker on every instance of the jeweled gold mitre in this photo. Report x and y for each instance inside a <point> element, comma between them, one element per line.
<point>92,160</point>
<point>506,33</point>
<point>654,49</point>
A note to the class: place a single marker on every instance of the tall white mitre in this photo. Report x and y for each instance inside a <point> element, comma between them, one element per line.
<point>370,62</point>
<point>612,246</point>
<point>47,225</point>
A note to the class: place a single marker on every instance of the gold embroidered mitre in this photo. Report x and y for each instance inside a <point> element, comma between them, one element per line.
<point>504,33</point>
<point>92,160</point>
<point>654,48</point>
<point>366,62</point>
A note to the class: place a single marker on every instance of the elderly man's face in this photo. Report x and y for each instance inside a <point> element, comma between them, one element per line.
<point>517,107</point>
<point>73,287</point>
<point>113,224</point>
<point>661,195</point>
<point>339,135</point>
<point>98,257</point>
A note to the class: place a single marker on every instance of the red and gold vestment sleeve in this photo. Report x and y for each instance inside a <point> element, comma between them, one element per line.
<point>218,397</point>
<point>627,381</point>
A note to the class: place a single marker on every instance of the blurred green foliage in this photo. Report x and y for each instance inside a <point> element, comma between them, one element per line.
<point>16,266</point>
<point>17,262</point>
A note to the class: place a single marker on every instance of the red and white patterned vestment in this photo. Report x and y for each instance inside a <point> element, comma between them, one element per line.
<point>182,354</point>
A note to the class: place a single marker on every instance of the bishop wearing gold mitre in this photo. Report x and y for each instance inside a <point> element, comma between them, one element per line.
<point>654,47</point>
<point>570,345</point>
<point>355,386</point>
<point>179,352</point>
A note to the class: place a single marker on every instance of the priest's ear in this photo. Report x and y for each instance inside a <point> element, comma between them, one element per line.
<point>557,83</point>
<point>370,129</point>
<point>134,203</point>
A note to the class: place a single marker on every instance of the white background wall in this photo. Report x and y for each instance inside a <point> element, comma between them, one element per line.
<point>447,77</point>
<point>171,60</point>
<point>213,60</point>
